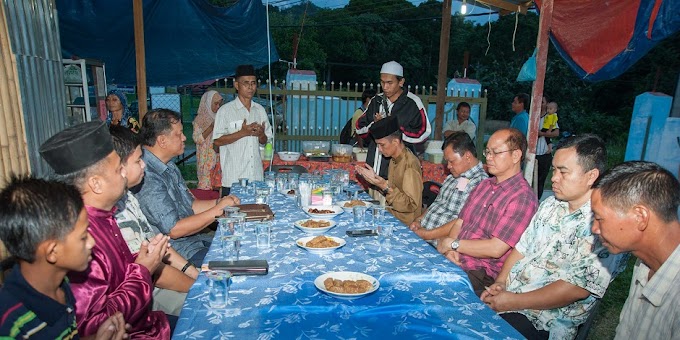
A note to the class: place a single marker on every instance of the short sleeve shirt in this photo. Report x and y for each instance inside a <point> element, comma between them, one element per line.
<point>452,197</point>
<point>651,309</point>
<point>132,222</point>
<point>466,126</point>
<point>496,210</point>
<point>25,312</point>
<point>558,245</point>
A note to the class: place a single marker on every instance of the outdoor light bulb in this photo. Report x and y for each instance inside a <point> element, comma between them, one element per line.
<point>463,7</point>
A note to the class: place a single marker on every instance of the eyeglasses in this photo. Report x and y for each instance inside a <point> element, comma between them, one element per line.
<point>491,153</point>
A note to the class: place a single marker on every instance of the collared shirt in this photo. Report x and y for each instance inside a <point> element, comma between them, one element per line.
<point>406,182</point>
<point>114,282</point>
<point>240,159</point>
<point>467,126</point>
<point>501,210</point>
<point>651,310</point>
<point>26,312</point>
<point>132,222</point>
<point>558,245</point>
<point>452,197</point>
<point>521,122</point>
<point>165,199</point>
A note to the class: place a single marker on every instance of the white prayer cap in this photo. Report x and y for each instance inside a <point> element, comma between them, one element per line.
<point>392,67</point>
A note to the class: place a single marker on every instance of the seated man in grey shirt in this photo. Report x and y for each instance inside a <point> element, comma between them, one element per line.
<point>163,195</point>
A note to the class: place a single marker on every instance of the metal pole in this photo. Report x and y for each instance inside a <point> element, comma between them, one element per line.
<point>443,61</point>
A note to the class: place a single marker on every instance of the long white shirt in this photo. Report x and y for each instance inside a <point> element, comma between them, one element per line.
<point>240,159</point>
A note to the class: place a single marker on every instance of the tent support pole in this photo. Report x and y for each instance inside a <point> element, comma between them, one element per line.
<point>443,62</point>
<point>140,57</point>
<point>542,44</point>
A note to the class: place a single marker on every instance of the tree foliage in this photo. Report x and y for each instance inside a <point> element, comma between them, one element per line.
<point>349,44</point>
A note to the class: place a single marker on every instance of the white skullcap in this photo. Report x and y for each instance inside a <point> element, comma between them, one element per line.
<point>392,67</point>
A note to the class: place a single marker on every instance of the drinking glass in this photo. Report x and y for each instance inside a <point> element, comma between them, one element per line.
<point>359,213</point>
<point>231,241</point>
<point>218,288</point>
<point>385,231</point>
<point>262,196</point>
<point>263,232</point>
<point>240,226</point>
<point>378,214</point>
<point>228,211</point>
<point>243,182</point>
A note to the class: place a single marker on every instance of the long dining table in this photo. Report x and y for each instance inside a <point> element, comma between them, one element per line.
<point>421,295</point>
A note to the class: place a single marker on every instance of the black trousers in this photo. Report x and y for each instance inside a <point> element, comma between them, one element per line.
<point>523,325</point>
<point>479,280</point>
<point>544,164</point>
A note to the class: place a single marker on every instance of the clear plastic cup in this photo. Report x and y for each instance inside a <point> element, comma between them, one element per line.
<point>218,288</point>
<point>263,234</point>
<point>359,213</point>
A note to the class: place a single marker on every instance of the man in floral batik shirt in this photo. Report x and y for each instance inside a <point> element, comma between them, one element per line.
<point>558,269</point>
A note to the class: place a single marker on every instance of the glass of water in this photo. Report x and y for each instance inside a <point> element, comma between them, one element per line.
<point>263,234</point>
<point>218,288</point>
<point>385,231</point>
<point>378,214</point>
<point>240,226</point>
<point>359,213</point>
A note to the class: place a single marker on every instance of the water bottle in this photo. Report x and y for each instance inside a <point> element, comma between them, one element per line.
<point>268,150</point>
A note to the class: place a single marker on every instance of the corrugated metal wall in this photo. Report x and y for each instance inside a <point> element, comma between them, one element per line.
<point>34,35</point>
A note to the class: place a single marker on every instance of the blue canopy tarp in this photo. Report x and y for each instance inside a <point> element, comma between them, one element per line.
<point>186,42</point>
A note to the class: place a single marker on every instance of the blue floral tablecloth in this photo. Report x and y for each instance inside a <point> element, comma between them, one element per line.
<point>421,296</point>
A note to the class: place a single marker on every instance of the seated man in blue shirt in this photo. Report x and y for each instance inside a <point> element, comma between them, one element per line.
<point>165,198</point>
<point>44,226</point>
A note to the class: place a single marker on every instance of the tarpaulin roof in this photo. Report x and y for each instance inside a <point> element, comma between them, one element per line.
<point>601,39</point>
<point>186,41</point>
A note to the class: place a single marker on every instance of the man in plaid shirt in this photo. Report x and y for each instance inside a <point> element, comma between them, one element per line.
<point>466,173</point>
<point>495,215</point>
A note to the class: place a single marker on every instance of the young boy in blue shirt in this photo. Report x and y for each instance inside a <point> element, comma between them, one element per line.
<point>44,226</point>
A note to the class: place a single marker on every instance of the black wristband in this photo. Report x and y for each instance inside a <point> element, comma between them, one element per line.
<point>186,266</point>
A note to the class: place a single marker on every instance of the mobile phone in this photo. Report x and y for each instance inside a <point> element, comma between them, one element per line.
<point>242,267</point>
<point>360,233</point>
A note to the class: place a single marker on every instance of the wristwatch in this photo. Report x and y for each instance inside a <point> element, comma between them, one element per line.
<point>386,190</point>
<point>455,244</point>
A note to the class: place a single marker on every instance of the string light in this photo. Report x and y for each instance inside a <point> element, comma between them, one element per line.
<point>463,7</point>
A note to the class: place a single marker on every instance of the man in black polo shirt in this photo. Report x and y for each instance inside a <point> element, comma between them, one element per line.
<point>394,101</point>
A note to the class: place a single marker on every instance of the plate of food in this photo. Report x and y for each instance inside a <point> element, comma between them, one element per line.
<point>320,245</point>
<point>323,211</point>
<point>314,226</point>
<point>348,206</point>
<point>347,285</point>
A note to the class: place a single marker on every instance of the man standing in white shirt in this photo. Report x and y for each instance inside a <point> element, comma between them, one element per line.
<point>240,127</point>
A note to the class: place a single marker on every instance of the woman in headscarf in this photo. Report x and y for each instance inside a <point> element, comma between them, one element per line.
<point>118,111</point>
<point>206,157</point>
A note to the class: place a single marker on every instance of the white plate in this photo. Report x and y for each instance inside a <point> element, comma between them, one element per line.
<point>318,282</point>
<point>349,210</point>
<point>314,231</point>
<point>319,251</point>
<point>337,210</point>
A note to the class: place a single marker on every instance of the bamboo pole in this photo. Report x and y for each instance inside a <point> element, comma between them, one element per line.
<point>13,146</point>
